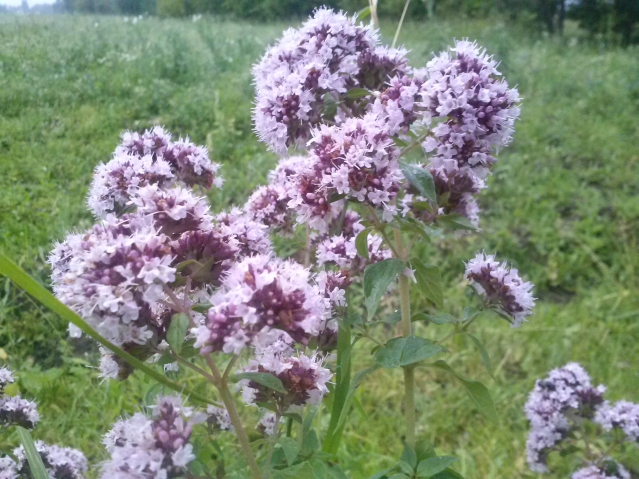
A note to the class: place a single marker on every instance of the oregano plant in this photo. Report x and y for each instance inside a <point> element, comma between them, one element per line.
<point>261,306</point>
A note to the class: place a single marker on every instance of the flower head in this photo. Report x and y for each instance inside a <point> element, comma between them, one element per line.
<point>6,378</point>
<point>623,415</point>
<point>148,159</point>
<point>356,159</point>
<point>173,211</point>
<point>609,469</point>
<point>566,393</point>
<point>250,236</point>
<point>60,462</point>
<point>501,286</point>
<point>219,418</point>
<point>157,447</point>
<point>268,423</point>
<point>310,67</point>
<point>303,378</point>
<point>260,294</point>
<point>113,276</point>
<point>16,411</point>
<point>464,88</point>
<point>8,468</point>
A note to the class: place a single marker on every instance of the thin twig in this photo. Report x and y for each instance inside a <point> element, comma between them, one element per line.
<point>229,367</point>
<point>401,21</point>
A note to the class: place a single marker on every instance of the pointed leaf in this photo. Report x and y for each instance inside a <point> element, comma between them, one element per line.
<point>265,379</point>
<point>356,93</point>
<point>433,465</point>
<point>361,243</point>
<point>406,351</point>
<point>291,448</point>
<point>377,278</point>
<point>421,179</point>
<point>409,456</point>
<point>477,392</point>
<point>177,331</point>
<point>484,354</point>
<point>429,281</point>
<point>363,13</point>
<point>342,387</point>
<point>455,221</point>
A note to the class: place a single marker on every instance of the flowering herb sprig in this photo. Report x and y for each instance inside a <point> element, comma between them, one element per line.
<point>160,280</point>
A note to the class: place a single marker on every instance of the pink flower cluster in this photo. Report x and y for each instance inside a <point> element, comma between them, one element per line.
<point>60,462</point>
<point>121,276</point>
<point>609,469</point>
<point>357,161</point>
<point>310,68</point>
<point>158,447</point>
<point>261,299</point>
<point>15,410</point>
<point>502,287</point>
<point>148,159</point>
<point>304,378</point>
<point>557,401</point>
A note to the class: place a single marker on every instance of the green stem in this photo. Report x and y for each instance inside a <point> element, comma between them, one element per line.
<point>272,441</point>
<point>401,21</point>
<point>414,145</point>
<point>407,330</point>
<point>229,403</point>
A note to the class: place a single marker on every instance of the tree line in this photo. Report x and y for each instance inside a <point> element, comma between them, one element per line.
<point>615,19</point>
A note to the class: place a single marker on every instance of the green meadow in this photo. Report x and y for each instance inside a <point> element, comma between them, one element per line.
<point>562,205</point>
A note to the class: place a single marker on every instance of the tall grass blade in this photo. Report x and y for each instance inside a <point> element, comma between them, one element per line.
<point>36,465</point>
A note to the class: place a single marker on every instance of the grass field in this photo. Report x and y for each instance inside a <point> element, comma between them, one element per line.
<point>562,205</point>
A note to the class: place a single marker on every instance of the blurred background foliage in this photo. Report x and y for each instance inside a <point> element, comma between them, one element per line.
<point>562,203</point>
<point>611,20</point>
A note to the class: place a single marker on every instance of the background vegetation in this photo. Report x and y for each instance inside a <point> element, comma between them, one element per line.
<point>562,205</point>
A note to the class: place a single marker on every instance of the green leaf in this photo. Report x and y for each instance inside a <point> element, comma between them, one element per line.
<point>38,470</point>
<point>433,465</point>
<point>421,179</point>
<point>484,354</point>
<point>291,448</point>
<point>413,226</point>
<point>330,107</point>
<point>440,318</point>
<point>382,474</point>
<point>424,449</point>
<point>299,471</point>
<point>409,456</point>
<point>358,378</point>
<point>310,444</point>
<point>342,387</point>
<point>356,93</point>
<point>265,379</point>
<point>16,274</point>
<point>406,351</point>
<point>361,243</point>
<point>177,331</point>
<point>294,416</point>
<point>477,392</point>
<point>406,468</point>
<point>363,13</point>
<point>400,143</point>
<point>398,476</point>
<point>429,281</point>
<point>470,313</point>
<point>377,278</point>
<point>455,221</point>
<point>448,474</point>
